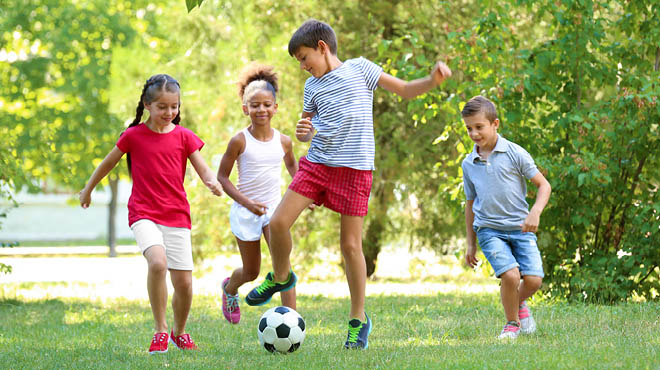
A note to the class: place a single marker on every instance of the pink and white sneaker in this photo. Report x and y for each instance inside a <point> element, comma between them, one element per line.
<point>510,331</point>
<point>527,323</point>
<point>230,305</point>
<point>183,341</point>
<point>158,343</point>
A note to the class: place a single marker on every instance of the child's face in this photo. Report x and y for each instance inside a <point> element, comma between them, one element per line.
<point>164,109</point>
<point>261,107</point>
<point>313,60</point>
<point>481,130</point>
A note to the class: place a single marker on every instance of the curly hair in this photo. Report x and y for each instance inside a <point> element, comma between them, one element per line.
<point>256,77</point>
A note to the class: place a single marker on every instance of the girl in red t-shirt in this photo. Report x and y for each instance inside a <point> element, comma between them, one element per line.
<point>157,152</point>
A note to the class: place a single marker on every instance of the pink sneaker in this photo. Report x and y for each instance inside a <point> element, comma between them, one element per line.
<point>510,331</point>
<point>230,305</point>
<point>527,323</point>
<point>183,341</point>
<point>158,343</point>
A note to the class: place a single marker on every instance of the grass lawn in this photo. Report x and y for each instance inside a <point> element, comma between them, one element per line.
<point>410,332</point>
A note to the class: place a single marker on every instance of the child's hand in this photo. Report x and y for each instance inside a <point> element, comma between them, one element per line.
<point>312,207</point>
<point>440,73</point>
<point>257,208</point>
<point>470,256</point>
<point>531,223</point>
<point>85,198</point>
<point>215,187</point>
<point>303,129</point>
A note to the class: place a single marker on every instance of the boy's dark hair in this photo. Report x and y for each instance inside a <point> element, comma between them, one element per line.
<point>309,35</point>
<point>480,104</point>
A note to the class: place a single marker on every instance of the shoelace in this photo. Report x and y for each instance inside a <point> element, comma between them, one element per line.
<point>267,284</point>
<point>232,302</point>
<point>353,333</point>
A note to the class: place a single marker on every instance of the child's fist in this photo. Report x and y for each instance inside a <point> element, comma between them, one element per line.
<point>440,72</point>
<point>215,187</point>
<point>303,129</point>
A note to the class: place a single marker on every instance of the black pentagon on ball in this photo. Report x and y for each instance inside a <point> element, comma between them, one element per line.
<point>282,310</point>
<point>269,347</point>
<point>262,324</point>
<point>283,331</point>
<point>294,347</point>
<point>301,324</point>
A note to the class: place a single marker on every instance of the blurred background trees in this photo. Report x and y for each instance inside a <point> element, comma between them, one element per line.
<point>576,84</point>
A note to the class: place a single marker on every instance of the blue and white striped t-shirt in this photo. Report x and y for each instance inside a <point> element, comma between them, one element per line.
<point>342,101</point>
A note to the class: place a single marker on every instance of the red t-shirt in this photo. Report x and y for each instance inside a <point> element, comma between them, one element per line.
<point>158,167</point>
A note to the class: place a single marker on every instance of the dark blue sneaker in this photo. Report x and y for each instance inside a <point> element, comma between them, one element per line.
<point>264,292</point>
<point>358,334</point>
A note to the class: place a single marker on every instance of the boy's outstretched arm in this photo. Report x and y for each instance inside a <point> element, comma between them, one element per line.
<point>411,89</point>
<point>531,223</point>
<point>205,173</point>
<point>471,236</point>
<point>108,163</point>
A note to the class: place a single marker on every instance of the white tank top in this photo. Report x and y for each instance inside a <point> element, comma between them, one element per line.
<point>260,168</point>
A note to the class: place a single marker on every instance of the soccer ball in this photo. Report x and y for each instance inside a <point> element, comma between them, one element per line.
<point>281,329</point>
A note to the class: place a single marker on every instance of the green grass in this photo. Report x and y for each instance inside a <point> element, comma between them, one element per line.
<point>410,332</point>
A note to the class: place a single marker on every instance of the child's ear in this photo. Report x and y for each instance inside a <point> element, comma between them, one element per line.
<point>496,123</point>
<point>323,47</point>
<point>245,110</point>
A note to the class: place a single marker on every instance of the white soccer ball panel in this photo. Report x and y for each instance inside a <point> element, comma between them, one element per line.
<point>269,335</point>
<point>274,320</point>
<point>291,319</point>
<point>296,335</point>
<point>282,344</point>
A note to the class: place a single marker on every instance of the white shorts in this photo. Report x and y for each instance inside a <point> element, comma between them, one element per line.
<point>175,240</point>
<point>247,226</point>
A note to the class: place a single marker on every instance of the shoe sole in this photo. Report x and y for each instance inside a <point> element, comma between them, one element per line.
<point>295,281</point>
<point>154,352</point>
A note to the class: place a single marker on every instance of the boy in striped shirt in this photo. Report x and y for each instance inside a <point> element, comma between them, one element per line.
<point>337,171</point>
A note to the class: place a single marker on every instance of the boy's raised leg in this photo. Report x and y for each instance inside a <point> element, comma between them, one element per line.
<point>282,278</point>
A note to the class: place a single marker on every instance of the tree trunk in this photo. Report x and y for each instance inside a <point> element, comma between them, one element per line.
<point>112,212</point>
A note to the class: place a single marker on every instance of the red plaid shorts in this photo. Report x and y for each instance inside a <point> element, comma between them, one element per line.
<point>342,189</point>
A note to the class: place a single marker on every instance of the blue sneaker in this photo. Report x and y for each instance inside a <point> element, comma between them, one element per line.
<point>358,334</point>
<point>264,292</point>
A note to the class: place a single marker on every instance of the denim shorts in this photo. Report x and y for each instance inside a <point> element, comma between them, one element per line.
<point>509,249</point>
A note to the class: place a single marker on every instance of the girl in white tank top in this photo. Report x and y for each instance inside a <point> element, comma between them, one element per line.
<point>258,151</point>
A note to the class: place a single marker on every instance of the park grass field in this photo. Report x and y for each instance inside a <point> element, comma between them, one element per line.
<point>443,330</point>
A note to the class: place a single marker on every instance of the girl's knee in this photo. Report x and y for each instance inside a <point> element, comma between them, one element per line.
<point>182,282</point>
<point>250,274</point>
<point>158,266</point>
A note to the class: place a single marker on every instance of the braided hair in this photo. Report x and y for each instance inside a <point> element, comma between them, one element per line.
<point>151,90</point>
<point>256,77</point>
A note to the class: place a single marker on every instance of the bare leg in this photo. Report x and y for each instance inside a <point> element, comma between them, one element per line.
<point>285,215</point>
<point>288,297</point>
<point>251,258</point>
<point>181,299</point>
<point>157,286</point>
<point>530,284</point>
<point>510,281</point>
<point>356,267</point>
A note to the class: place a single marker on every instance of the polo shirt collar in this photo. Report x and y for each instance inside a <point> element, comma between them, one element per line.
<point>500,146</point>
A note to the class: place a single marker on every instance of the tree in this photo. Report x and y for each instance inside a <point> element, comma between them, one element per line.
<point>54,80</point>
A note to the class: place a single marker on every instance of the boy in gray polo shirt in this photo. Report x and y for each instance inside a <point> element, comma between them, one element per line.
<point>496,212</point>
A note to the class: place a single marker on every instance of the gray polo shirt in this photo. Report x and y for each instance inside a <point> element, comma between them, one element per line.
<point>498,186</point>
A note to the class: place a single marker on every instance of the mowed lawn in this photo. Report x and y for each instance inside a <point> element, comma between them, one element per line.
<point>442,330</point>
